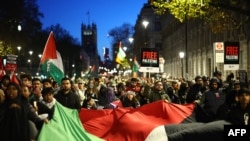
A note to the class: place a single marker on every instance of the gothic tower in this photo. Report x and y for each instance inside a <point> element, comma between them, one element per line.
<point>89,52</point>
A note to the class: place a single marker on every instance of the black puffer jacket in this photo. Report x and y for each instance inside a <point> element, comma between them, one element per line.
<point>70,100</point>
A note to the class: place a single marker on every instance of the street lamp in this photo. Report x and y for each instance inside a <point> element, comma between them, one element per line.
<point>130,39</point>
<point>30,52</point>
<point>125,48</point>
<point>145,24</point>
<point>181,55</point>
<point>29,62</point>
<point>19,56</point>
<point>40,55</point>
<point>19,27</point>
<point>19,48</point>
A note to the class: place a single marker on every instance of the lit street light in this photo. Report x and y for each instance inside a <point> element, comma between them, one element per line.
<point>19,48</point>
<point>30,52</point>
<point>19,27</point>
<point>40,55</point>
<point>125,48</point>
<point>145,24</point>
<point>130,39</point>
<point>181,55</point>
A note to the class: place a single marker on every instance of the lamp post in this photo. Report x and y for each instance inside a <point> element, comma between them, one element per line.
<point>30,61</point>
<point>145,24</point>
<point>181,55</point>
<point>19,58</point>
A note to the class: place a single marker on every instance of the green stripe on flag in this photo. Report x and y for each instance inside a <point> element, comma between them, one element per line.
<point>65,126</point>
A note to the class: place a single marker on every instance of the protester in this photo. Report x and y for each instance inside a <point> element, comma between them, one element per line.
<point>26,79</point>
<point>89,103</point>
<point>46,83</point>
<point>182,92</point>
<point>121,90</point>
<point>231,100</point>
<point>2,96</point>
<point>91,90</point>
<point>66,96</point>
<point>240,113</point>
<point>4,82</point>
<point>172,92</point>
<point>15,115</point>
<point>36,95</point>
<point>142,97</point>
<point>80,90</point>
<point>218,75</point>
<point>129,100</point>
<point>106,97</point>
<point>133,85</point>
<point>46,106</point>
<point>156,92</point>
<point>55,86</point>
<point>25,92</point>
<point>212,99</point>
<point>195,92</point>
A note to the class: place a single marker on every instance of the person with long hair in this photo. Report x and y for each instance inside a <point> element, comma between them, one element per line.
<point>15,115</point>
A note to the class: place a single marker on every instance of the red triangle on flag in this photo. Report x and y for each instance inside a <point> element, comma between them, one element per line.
<point>50,49</point>
<point>2,71</point>
<point>13,77</point>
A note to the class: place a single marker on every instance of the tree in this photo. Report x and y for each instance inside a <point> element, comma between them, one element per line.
<point>14,13</point>
<point>121,33</point>
<point>219,15</point>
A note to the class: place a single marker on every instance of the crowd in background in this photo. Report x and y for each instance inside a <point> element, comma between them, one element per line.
<point>24,107</point>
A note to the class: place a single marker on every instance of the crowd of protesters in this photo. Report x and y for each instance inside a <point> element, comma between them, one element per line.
<point>24,107</point>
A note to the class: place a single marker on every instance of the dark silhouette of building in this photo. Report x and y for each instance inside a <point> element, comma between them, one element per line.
<point>89,52</point>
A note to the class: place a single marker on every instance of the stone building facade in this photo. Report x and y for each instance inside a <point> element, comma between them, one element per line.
<point>195,39</point>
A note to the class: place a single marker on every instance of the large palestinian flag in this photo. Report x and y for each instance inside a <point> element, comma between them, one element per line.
<point>157,121</point>
<point>126,124</point>
<point>65,126</point>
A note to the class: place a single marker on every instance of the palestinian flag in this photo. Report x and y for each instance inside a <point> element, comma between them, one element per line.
<point>126,124</point>
<point>14,78</point>
<point>51,61</point>
<point>157,121</point>
<point>120,57</point>
<point>65,126</point>
<point>2,70</point>
<point>136,65</point>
